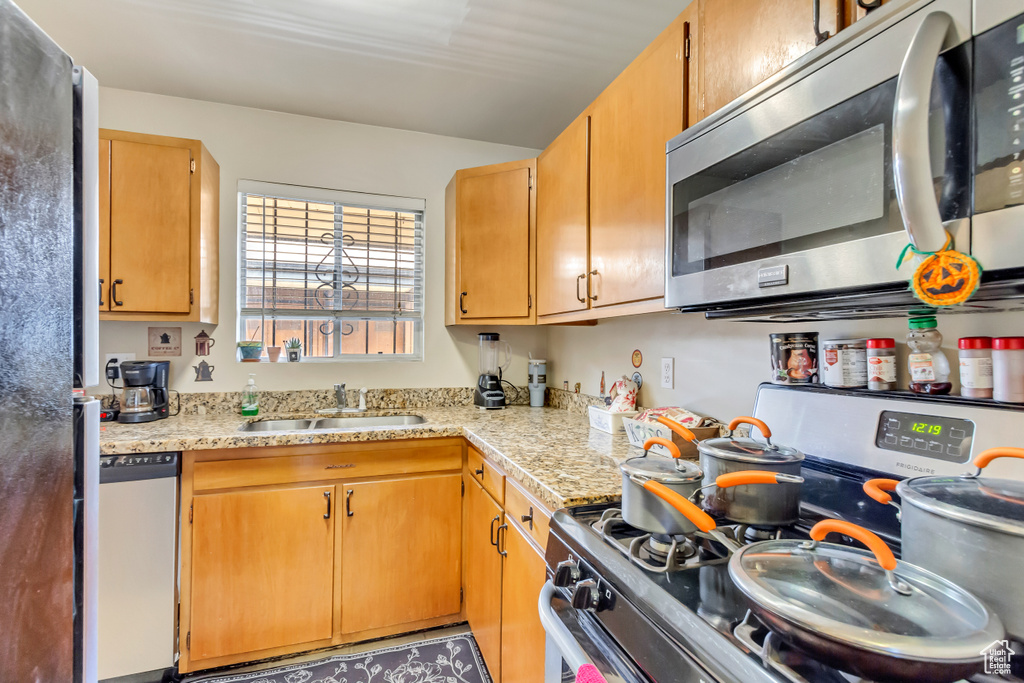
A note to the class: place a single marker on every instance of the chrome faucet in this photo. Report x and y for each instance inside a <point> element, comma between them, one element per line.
<point>342,398</point>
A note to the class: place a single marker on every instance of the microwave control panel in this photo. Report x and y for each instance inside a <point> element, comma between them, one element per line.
<point>999,110</point>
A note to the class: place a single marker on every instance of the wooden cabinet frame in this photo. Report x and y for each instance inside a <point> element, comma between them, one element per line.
<point>204,226</point>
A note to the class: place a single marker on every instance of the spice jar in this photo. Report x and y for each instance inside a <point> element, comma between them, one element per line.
<point>881,364</point>
<point>844,363</point>
<point>1008,369</point>
<point>976,367</point>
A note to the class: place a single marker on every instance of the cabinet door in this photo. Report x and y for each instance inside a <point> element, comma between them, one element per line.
<point>746,41</point>
<point>262,570</point>
<point>630,123</point>
<point>494,244</point>
<point>401,554</point>
<point>104,205</point>
<point>522,636</point>
<point>483,574</point>
<point>562,221</point>
<point>150,219</point>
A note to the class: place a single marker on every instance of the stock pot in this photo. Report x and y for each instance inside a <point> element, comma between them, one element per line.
<point>748,503</point>
<point>968,529</point>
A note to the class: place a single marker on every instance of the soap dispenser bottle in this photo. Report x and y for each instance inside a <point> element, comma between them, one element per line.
<point>251,398</point>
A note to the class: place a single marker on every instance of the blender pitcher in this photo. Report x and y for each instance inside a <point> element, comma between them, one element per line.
<point>489,394</point>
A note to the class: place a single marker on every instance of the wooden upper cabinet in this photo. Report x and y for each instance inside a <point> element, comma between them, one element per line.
<point>490,245</point>
<point>262,570</point>
<point>743,42</point>
<point>563,178</point>
<point>401,551</point>
<point>630,123</point>
<point>159,220</point>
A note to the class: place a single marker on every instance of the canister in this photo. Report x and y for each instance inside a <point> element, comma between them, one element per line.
<point>794,357</point>
<point>1008,369</point>
<point>881,364</point>
<point>538,381</point>
<point>975,356</point>
<point>844,363</point>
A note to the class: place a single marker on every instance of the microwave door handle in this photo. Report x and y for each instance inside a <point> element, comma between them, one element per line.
<point>911,159</point>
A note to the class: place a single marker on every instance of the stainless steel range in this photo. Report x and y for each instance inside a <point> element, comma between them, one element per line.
<point>643,607</point>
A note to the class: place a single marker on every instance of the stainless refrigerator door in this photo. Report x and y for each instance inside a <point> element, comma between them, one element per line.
<point>36,321</point>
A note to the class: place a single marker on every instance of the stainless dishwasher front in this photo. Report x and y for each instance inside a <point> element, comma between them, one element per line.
<point>138,557</point>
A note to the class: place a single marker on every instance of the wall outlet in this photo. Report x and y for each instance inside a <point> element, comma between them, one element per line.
<point>668,373</point>
<point>119,357</point>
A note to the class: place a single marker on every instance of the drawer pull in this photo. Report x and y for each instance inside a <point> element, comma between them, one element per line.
<point>348,503</point>
<point>327,495</point>
<point>528,518</point>
<point>499,543</point>
<point>491,537</point>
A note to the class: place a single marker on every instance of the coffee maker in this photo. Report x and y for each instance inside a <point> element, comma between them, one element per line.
<point>144,397</point>
<point>489,395</point>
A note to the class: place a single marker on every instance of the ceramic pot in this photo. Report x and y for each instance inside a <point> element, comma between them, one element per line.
<point>273,353</point>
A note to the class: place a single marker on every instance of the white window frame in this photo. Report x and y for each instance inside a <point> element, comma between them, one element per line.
<point>363,200</point>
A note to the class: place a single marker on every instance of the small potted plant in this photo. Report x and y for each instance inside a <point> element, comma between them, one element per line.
<point>294,348</point>
<point>273,353</point>
<point>250,351</point>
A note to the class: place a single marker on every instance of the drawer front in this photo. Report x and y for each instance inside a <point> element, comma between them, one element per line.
<point>489,476</point>
<point>529,515</point>
<point>346,462</point>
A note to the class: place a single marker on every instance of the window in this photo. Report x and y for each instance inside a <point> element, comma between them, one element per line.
<point>341,271</point>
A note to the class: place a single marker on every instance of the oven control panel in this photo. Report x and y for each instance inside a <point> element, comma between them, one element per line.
<point>930,436</point>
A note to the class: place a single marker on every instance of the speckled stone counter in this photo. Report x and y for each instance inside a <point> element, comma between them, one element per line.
<point>552,453</point>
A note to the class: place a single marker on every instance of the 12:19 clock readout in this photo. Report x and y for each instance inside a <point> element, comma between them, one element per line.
<point>925,428</point>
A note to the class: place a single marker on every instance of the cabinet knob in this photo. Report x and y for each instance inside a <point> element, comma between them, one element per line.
<point>586,595</point>
<point>528,518</point>
<point>566,574</point>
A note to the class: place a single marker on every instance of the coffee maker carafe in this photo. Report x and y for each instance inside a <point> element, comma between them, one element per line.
<point>144,397</point>
<point>489,395</point>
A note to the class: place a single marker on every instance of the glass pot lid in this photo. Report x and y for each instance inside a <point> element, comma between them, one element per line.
<point>663,470</point>
<point>990,503</point>
<point>748,450</point>
<point>844,594</point>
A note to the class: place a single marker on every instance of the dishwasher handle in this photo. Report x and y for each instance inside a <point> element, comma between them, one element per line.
<point>570,650</point>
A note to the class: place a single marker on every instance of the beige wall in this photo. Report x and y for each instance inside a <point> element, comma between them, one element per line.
<point>274,147</point>
<point>718,364</point>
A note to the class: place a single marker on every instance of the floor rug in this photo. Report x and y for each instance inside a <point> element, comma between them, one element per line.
<point>454,659</point>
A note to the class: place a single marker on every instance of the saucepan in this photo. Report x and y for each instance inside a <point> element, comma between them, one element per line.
<point>651,484</point>
<point>969,529</point>
<point>748,503</point>
<point>862,611</point>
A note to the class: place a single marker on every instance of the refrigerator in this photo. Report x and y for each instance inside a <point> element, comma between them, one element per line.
<point>49,446</point>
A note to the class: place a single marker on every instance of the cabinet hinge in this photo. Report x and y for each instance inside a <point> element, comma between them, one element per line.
<point>686,48</point>
<point>188,641</point>
<point>190,507</point>
<point>192,166</point>
<point>191,297</point>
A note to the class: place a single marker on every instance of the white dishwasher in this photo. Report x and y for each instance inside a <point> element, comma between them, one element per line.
<point>138,556</point>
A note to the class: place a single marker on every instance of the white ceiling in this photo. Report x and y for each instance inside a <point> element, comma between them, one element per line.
<point>511,71</point>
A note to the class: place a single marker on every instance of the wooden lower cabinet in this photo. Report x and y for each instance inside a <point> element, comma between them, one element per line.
<point>262,570</point>
<point>401,560</point>
<point>483,573</point>
<point>522,636</point>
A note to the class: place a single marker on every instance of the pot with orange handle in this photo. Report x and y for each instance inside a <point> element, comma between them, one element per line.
<point>969,529</point>
<point>750,503</point>
<point>871,615</point>
<point>653,486</point>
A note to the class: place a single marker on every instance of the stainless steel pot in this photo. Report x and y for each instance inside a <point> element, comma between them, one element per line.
<point>750,503</point>
<point>967,529</point>
<point>652,488</point>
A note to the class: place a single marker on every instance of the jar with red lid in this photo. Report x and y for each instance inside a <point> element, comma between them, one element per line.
<point>881,364</point>
<point>1008,369</point>
<point>976,367</point>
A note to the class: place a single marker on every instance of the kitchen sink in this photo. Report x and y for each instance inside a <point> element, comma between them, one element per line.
<point>366,421</point>
<point>275,425</point>
<point>354,422</point>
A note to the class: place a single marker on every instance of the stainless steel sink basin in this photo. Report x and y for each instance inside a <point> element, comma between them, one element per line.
<point>366,421</point>
<point>275,425</point>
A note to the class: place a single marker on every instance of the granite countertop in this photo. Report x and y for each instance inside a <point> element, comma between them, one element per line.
<point>552,453</point>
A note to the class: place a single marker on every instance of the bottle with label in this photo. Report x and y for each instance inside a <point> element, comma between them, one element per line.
<point>881,364</point>
<point>975,358</point>
<point>251,398</point>
<point>928,365</point>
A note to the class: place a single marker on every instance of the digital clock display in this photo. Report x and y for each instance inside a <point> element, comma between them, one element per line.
<point>929,436</point>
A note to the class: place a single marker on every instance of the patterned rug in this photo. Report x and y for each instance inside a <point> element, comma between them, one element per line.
<point>453,659</point>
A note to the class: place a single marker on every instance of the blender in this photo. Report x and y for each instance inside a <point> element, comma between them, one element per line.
<point>489,395</point>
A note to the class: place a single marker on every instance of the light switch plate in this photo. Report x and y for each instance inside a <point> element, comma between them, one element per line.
<point>668,373</point>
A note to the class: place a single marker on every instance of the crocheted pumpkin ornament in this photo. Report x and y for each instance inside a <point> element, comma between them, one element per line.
<point>944,278</point>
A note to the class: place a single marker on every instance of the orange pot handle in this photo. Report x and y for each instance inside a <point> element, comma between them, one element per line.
<point>700,519</point>
<point>878,489</point>
<point>745,477</point>
<point>986,457</point>
<point>672,448</point>
<point>875,544</point>
<point>677,428</point>
<point>762,427</point>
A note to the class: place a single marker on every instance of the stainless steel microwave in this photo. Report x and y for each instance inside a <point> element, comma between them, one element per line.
<point>794,201</point>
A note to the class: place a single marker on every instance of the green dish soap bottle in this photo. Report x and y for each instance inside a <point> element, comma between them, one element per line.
<point>251,398</point>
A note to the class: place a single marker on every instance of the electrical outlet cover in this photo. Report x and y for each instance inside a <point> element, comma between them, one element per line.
<point>121,357</point>
<point>668,373</point>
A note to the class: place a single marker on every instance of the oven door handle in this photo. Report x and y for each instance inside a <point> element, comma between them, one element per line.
<point>911,158</point>
<point>570,650</point>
